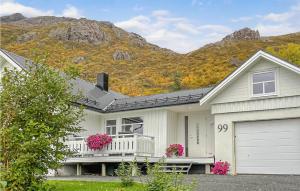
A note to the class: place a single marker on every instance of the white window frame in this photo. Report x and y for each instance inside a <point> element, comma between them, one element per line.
<point>264,94</point>
<point>110,127</point>
<point>123,124</point>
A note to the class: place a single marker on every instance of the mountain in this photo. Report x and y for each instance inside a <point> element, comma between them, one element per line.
<point>135,66</point>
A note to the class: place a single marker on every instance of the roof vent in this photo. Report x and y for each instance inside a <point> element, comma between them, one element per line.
<point>102,81</point>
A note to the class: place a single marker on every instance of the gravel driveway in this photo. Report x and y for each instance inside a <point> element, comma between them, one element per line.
<point>247,182</point>
<point>224,183</point>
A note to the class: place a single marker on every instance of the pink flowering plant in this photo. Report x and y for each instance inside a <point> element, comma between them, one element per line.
<point>220,168</point>
<point>98,141</point>
<point>174,150</point>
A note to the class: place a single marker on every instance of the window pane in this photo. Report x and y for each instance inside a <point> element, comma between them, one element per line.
<point>268,76</point>
<point>111,122</point>
<point>132,120</point>
<point>270,87</point>
<point>126,129</point>
<point>108,130</point>
<point>258,88</point>
<point>138,128</point>
<point>114,131</point>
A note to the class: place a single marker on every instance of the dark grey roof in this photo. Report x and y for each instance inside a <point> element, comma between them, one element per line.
<point>94,96</point>
<point>159,100</point>
<point>110,101</point>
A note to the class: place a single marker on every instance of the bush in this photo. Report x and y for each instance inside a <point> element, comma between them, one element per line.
<point>157,180</point>
<point>220,168</point>
<point>126,171</point>
<point>36,114</point>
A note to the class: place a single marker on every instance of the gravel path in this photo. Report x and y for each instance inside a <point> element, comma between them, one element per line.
<point>223,183</point>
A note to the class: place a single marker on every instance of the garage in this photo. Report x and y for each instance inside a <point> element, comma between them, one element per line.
<point>268,147</point>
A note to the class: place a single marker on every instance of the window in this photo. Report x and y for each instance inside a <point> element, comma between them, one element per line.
<point>263,83</point>
<point>111,127</point>
<point>132,125</point>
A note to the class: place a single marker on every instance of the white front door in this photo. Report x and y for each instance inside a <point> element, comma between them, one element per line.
<point>194,128</point>
<point>200,131</point>
<point>268,147</point>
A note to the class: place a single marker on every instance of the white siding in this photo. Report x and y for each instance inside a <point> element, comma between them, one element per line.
<point>4,64</point>
<point>240,90</point>
<point>171,127</point>
<point>155,124</point>
<point>257,105</point>
<point>91,124</point>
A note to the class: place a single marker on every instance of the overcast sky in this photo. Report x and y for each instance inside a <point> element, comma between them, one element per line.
<point>180,25</point>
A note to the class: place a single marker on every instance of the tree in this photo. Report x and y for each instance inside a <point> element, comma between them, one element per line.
<point>176,85</point>
<point>36,114</point>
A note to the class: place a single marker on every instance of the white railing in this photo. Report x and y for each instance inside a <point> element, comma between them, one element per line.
<point>127,144</point>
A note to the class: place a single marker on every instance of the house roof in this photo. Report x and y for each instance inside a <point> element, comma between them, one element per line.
<point>94,96</point>
<point>158,100</point>
<point>236,73</point>
<point>110,101</point>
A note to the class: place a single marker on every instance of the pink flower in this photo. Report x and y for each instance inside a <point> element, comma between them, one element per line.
<point>98,141</point>
<point>220,168</point>
<point>174,149</point>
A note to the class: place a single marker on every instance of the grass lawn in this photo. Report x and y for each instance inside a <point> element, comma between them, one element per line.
<point>92,186</point>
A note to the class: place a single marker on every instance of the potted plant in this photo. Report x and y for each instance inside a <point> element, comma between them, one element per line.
<point>220,168</point>
<point>175,150</point>
<point>98,141</point>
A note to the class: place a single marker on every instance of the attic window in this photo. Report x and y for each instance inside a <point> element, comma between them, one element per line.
<point>263,83</point>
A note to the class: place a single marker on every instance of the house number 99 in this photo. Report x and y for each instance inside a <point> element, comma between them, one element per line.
<point>223,127</point>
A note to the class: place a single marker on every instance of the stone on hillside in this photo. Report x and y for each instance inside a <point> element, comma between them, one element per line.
<point>120,33</point>
<point>119,55</point>
<point>243,34</point>
<point>235,62</point>
<point>137,40</point>
<point>83,31</point>
<point>12,18</point>
<point>78,59</point>
<point>26,37</point>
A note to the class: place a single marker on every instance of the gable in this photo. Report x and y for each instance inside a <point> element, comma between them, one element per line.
<point>261,59</point>
<point>287,83</point>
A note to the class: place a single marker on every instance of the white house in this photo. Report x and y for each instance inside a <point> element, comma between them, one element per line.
<point>251,119</point>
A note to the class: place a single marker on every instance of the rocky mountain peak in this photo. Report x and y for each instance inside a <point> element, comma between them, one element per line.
<point>12,18</point>
<point>243,34</point>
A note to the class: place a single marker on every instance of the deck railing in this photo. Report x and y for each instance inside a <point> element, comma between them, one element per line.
<point>122,145</point>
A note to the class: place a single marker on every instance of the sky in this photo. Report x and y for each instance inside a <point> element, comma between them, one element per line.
<point>180,25</point>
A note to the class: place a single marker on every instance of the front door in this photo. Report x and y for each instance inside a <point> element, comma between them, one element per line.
<point>194,128</point>
<point>200,135</point>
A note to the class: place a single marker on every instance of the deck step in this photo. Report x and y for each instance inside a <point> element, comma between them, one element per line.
<point>178,168</point>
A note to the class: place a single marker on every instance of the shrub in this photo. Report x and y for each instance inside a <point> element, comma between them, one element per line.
<point>37,112</point>
<point>126,171</point>
<point>157,180</point>
<point>220,168</point>
<point>174,149</point>
<point>98,141</point>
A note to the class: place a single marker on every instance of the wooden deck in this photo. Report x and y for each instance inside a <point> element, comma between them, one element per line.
<point>116,159</point>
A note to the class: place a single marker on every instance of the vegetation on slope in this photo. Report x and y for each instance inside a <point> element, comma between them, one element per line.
<point>143,68</point>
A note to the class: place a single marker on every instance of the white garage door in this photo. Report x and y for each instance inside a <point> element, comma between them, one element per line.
<point>268,147</point>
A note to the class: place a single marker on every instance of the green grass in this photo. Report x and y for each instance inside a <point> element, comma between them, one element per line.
<point>92,186</point>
